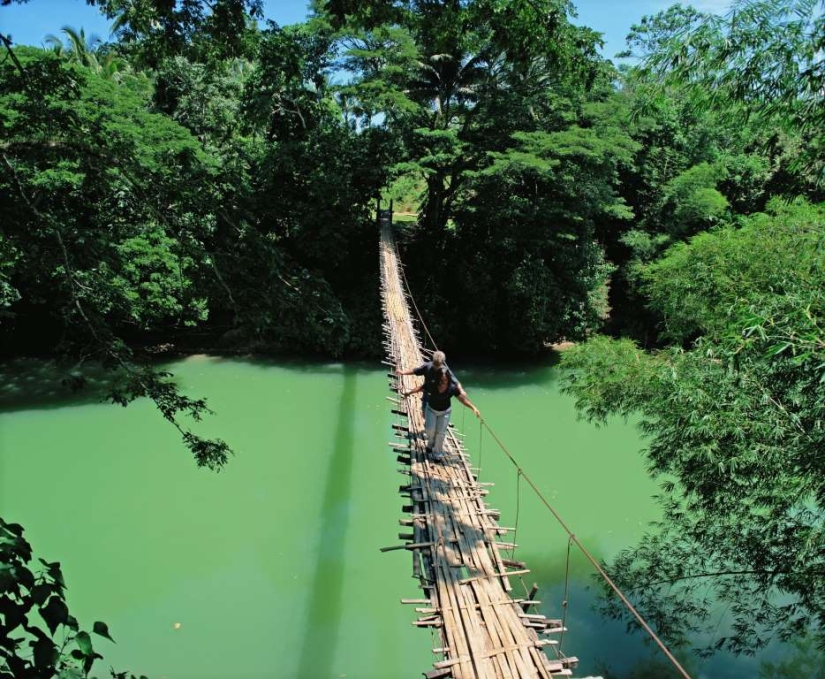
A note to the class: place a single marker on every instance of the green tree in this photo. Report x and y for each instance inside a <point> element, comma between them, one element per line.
<point>152,30</point>
<point>691,201</point>
<point>457,84</point>
<point>698,164</point>
<point>526,262</point>
<point>91,52</point>
<point>78,47</point>
<point>301,259</point>
<point>438,68</point>
<point>734,432</point>
<point>763,62</point>
<point>107,206</point>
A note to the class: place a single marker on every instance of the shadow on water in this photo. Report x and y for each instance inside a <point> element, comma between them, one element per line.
<point>44,384</point>
<point>27,384</point>
<point>325,609</point>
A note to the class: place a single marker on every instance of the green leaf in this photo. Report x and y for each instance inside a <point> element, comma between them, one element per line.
<point>101,629</point>
<point>55,613</point>
<point>84,643</point>
<point>13,614</point>
<point>21,548</point>
<point>777,349</point>
<point>45,655</point>
<point>53,569</point>
<point>24,576</point>
<point>7,579</point>
<point>90,660</point>
<point>14,528</point>
<point>41,592</point>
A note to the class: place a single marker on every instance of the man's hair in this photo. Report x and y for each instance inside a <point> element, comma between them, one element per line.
<point>439,357</point>
<point>442,372</point>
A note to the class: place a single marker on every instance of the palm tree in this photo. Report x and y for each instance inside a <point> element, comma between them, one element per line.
<point>86,51</point>
<point>77,47</point>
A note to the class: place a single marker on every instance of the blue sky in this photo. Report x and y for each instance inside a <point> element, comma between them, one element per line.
<point>31,22</point>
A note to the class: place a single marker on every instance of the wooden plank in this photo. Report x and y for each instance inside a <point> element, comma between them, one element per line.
<point>439,674</point>
<point>414,545</point>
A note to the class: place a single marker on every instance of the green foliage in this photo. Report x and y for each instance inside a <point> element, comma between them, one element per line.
<point>692,202</point>
<point>382,60</point>
<point>115,258</point>
<point>39,638</point>
<point>205,99</point>
<point>144,382</point>
<point>437,70</point>
<point>532,217</point>
<point>804,661</point>
<point>153,30</point>
<point>762,61</point>
<point>405,191</point>
<point>314,244</point>
<point>696,287</point>
<point>106,216</point>
<point>734,430</point>
<point>697,166</point>
<point>488,99</point>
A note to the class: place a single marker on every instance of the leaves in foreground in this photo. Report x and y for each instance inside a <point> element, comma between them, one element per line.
<point>734,432</point>
<point>39,637</point>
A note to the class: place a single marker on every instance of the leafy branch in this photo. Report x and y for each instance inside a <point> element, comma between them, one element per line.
<point>33,609</point>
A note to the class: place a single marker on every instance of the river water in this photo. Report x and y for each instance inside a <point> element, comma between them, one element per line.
<point>271,568</point>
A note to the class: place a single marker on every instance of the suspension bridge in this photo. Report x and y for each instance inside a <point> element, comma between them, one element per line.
<point>459,556</point>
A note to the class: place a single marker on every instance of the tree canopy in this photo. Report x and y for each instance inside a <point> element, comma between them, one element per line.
<point>734,430</point>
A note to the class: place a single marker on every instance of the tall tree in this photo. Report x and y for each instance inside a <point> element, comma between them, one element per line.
<point>764,55</point>
<point>458,82</point>
<point>107,206</point>
<point>156,29</point>
<point>734,430</point>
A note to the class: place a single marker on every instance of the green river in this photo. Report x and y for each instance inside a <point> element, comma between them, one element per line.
<point>271,568</point>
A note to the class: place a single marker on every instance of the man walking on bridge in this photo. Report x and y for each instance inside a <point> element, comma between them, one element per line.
<point>438,409</point>
<point>428,370</point>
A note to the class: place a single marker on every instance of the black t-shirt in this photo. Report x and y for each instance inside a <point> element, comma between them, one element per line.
<point>440,400</point>
<point>429,373</point>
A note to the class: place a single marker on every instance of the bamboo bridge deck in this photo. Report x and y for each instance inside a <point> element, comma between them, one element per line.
<point>485,632</point>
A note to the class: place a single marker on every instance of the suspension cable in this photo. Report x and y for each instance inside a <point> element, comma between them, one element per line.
<point>415,306</point>
<point>590,558</point>
<point>480,441</point>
